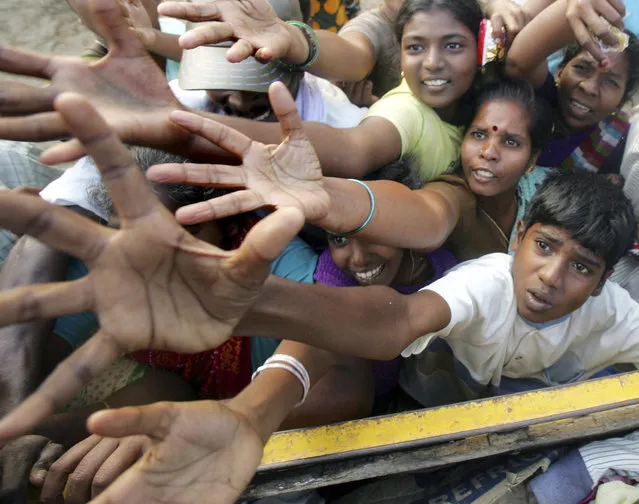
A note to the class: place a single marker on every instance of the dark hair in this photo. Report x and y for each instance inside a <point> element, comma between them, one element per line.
<point>398,171</point>
<point>466,12</point>
<point>592,209</point>
<point>632,53</point>
<point>540,126</point>
<point>180,194</point>
<point>145,157</point>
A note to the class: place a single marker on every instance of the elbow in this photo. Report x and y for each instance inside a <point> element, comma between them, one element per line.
<point>515,69</point>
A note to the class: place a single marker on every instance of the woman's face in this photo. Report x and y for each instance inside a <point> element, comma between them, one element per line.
<point>438,59</point>
<point>589,92</point>
<point>496,149</point>
<point>366,263</point>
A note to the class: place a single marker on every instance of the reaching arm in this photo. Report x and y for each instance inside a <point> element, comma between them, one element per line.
<point>348,58</point>
<point>29,262</point>
<point>367,322</point>
<point>545,34</point>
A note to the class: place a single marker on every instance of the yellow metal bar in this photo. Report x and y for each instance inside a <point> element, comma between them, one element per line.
<point>450,422</point>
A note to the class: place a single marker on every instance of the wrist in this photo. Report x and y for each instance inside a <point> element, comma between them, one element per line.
<point>299,49</point>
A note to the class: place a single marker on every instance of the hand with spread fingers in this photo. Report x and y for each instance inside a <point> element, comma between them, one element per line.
<point>288,174</point>
<point>203,451</point>
<point>151,284</point>
<point>584,17</point>
<point>251,24</point>
<point>126,86</point>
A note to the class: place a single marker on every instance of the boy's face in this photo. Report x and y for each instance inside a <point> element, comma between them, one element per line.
<point>553,274</point>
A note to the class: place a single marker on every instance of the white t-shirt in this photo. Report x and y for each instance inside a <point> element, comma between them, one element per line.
<point>317,100</point>
<point>490,339</point>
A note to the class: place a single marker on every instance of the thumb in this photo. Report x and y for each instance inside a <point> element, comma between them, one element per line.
<point>154,420</point>
<point>49,454</point>
<point>115,28</point>
<point>265,242</point>
<point>283,106</point>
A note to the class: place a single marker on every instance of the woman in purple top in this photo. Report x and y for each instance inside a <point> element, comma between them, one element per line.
<point>352,261</point>
<point>587,96</point>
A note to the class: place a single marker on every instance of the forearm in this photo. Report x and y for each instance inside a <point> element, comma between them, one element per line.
<point>342,152</point>
<point>345,392</point>
<point>339,58</point>
<point>156,385</point>
<point>545,34</point>
<point>271,397</point>
<point>370,322</point>
<point>21,346</point>
<point>400,214</point>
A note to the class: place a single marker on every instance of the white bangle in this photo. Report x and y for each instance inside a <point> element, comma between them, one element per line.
<point>289,359</point>
<point>293,366</point>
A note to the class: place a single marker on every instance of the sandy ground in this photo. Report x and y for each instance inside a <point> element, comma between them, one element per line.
<point>51,26</point>
<point>42,25</point>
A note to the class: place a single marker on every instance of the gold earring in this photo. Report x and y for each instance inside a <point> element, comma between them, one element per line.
<point>529,169</point>
<point>402,74</point>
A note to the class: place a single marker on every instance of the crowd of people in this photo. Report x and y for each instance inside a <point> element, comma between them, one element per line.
<point>176,295</point>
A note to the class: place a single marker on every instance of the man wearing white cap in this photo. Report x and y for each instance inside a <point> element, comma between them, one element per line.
<point>239,89</point>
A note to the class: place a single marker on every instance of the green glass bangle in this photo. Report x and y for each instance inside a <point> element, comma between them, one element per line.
<point>313,48</point>
<point>370,214</point>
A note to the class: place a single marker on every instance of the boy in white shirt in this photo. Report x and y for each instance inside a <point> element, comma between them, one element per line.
<point>546,314</point>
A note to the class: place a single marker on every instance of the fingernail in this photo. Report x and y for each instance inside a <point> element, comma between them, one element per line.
<point>39,476</point>
<point>187,39</point>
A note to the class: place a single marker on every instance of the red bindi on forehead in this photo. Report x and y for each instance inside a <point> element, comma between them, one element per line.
<point>495,128</point>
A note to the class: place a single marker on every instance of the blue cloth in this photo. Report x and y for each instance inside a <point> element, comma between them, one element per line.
<point>566,481</point>
<point>79,327</point>
<point>297,263</point>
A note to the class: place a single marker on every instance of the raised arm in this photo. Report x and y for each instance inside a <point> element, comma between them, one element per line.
<point>289,174</point>
<point>545,34</point>
<point>262,34</point>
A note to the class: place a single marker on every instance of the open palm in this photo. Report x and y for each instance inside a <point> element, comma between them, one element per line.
<point>126,86</point>
<point>288,174</point>
<point>151,284</point>
<point>252,24</point>
<point>202,451</point>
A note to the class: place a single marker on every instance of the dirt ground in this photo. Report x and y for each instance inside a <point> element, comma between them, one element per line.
<point>51,26</point>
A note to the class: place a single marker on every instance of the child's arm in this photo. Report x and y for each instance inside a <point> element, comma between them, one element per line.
<point>368,322</point>
<point>545,34</point>
<point>346,58</point>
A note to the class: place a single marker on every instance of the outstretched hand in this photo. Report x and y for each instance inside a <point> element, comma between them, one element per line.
<point>288,174</point>
<point>204,451</point>
<point>251,24</point>
<point>126,86</point>
<point>584,17</point>
<point>151,284</point>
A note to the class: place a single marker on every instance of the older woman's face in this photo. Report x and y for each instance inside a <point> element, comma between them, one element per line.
<point>497,148</point>
<point>589,92</point>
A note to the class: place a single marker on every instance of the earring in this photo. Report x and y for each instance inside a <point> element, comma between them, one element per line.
<point>402,74</point>
<point>529,169</point>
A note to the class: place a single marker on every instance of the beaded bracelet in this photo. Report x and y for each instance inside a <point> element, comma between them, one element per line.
<point>313,48</point>
<point>370,214</point>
